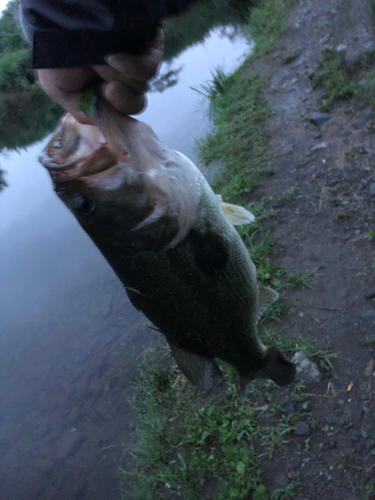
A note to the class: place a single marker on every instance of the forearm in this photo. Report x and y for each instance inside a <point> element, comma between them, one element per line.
<point>79,33</point>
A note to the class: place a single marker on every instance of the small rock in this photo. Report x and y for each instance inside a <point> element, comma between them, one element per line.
<point>336,421</point>
<point>372,189</point>
<point>280,481</point>
<point>334,179</point>
<point>356,435</point>
<point>319,146</point>
<point>288,408</point>
<point>296,462</point>
<point>357,414</point>
<point>310,169</point>
<point>325,39</point>
<point>363,119</point>
<point>306,368</point>
<point>370,295</point>
<point>341,47</point>
<point>302,429</point>
<point>368,315</point>
<point>262,408</point>
<point>319,118</point>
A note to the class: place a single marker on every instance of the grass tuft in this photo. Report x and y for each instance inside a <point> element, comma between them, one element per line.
<point>337,82</point>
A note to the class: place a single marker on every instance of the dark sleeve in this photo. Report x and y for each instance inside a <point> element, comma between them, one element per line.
<point>68,33</point>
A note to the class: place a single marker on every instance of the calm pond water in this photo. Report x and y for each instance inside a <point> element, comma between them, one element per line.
<point>66,323</point>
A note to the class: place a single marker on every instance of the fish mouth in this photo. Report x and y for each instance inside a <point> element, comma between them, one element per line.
<point>98,161</point>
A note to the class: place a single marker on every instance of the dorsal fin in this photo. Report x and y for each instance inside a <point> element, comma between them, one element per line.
<point>200,371</point>
<point>266,296</point>
<point>235,214</point>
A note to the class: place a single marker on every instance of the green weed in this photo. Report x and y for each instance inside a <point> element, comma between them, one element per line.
<point>276,310</point>
<point>284,493</point>
<point>337,82</point>
<point>184,439</point>
<point>218,85</point>
<point>367,340</point>
<point>267,23</point>
<point>238,138</point>
<point>291,193</point>
<point>302,280</point>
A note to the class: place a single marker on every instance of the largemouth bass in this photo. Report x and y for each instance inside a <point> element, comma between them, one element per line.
<point>168,238</point>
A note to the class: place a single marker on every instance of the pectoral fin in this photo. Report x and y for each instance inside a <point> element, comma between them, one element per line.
<point>266,296</point>
<point>200,371</point>
<point>235,214</point>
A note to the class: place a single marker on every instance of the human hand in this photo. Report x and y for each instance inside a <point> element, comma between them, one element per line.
<point>125,78</point>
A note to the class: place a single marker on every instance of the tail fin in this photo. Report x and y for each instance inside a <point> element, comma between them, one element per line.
<point>277,368</point>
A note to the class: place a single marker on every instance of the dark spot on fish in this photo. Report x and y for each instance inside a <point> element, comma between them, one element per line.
<point>211,251</point>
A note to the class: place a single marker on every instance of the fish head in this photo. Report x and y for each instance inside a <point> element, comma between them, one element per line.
<point>122,180</point>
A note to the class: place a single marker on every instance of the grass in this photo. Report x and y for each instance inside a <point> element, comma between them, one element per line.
<point>367,340</point>
<point>186,439</point>
<point>302,280</point>
<point>267,23</point>
<point>290,193</point>
<point>336,81</point>
<point>218,85</point>
<point>238,139</point>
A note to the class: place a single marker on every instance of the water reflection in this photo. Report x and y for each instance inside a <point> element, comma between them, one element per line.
<point>66,324</point>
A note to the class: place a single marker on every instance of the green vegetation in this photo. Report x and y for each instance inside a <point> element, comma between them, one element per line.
<point>290,194</point>
<point>337,82</point>
<point>267,23</point>
<point>300,279</point>
<point>189,441</point>
<point>367,340</point>
<point>238,140</point>
<point>218,85</point>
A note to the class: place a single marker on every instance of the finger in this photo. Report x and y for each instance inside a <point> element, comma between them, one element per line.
<point>109,74</point>
<point>63,86</point>
<point>124,99</point>
<point>141,68</point>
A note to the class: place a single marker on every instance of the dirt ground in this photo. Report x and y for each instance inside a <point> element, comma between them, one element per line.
<point>327,225</point>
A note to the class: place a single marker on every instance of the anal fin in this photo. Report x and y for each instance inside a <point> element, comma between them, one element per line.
<point>266,296</point>
<point>200,371</point>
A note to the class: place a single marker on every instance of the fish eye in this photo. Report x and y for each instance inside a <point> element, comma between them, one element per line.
<point>82,205</point>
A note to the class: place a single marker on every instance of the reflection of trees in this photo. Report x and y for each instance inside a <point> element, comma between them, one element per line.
<point>3,183</point>
<point>194,25</point>
<point>26,113</point>
<point>164,81</point>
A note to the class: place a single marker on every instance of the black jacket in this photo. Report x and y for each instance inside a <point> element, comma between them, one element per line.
<point>69,33</point>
